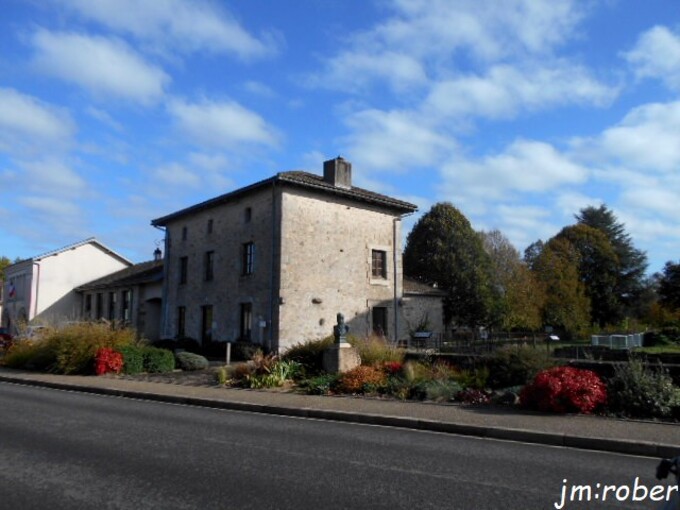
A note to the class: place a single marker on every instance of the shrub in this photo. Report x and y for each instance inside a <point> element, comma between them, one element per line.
<point>319,385</point>
<point>309,355</point>
<point>638,392</point>
<point>243,351</point>
<point>393,367</point>
<point>158,360</point>
<point>564,390</point>
<point>76,345</point>
<point>361,379</point>
<point>107,360</point>
<point>70,349</point>
<point>222,376</point>
<point>31,355</point>
<point>376,350</point>
<point>476,378</point>
<point>515,366</point>
<point>190,361</point>
<point>275,376</point>
<point>264,371</point>
<point>440,390</point>
<point>133,359</point>
<point>240,373</point>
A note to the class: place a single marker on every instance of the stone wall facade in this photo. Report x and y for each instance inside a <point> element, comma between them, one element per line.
<point>223,230</point>
<point>318,249</point>
<point>326,265</point>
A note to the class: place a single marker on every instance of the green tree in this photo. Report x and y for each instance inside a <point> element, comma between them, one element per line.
<point>669,286</point>
<point>4,262</point>
<point>566,305</point>
<point>598,268</point>
<point>631,284</point>
<point>520,296</point>
<point>443,249</point>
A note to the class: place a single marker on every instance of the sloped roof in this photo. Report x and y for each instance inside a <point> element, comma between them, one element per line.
<point>414,287</point>
<point>145,272</point>
<point>90,240</point>
<point>304,180</point>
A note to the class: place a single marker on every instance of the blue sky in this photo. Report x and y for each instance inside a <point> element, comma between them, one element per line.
<point>115,112</point>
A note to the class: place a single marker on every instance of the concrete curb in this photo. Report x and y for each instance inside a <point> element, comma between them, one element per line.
<point>638,448</point>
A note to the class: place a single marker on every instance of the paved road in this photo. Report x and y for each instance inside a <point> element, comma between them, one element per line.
<point>64,450</point>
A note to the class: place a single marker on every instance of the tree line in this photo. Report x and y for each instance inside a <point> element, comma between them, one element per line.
<point>588,277</point>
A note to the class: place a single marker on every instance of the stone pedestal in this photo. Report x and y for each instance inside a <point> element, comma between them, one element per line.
<point>340,358</point>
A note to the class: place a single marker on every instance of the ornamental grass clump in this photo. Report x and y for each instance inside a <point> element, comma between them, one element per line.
<point>376,350</point>
<point>565,390</point>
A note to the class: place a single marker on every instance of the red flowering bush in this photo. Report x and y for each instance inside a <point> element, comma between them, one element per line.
<point>565,390</point>
<point>392,367</point>
<point>107,360</point>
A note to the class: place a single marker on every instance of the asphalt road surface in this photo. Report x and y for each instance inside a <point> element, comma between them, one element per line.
<point>66,450</point>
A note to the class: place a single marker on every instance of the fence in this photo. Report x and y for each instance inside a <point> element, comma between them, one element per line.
<point>617,341</point>
<point>469,343</point>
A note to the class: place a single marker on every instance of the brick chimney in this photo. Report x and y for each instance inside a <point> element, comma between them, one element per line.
<point>338,172</point>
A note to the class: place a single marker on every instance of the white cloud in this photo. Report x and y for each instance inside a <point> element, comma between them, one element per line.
<point>53,177</point>
<point>259,89</point>
<point>51,207</point>
<point>104,66</point>
<point>395,140</point>
<point>646,139</point>
<point>354,70</point>
<point>421,37</point>
<point>27,123</point>
<point>505,89</point>
<point>174,174</point>
<point>488,29</point>
<point>524,166</point>
<point>657,55</point>
<point>176,24</point>
<point>221,124</point>
<point>104,118</point>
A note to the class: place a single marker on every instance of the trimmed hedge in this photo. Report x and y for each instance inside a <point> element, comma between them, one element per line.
<point>133,359</point>
<point>158,360</point>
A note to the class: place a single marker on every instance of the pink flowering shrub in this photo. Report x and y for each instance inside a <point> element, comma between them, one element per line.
<point>107,360</point>
<point>565,390</point>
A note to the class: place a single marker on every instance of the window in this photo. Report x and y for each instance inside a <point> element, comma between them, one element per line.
<point>247,214</point>
<point>379,316</point>
<point>184,233</point>
<point>99,306</point>
<point>210,226</point>
<point>112,306</point>
<point>181,321</point>
<point>183,269</point>
<point>126,305</point>
<point>208,264</point>
<point>88,304</point>
<point>246,321</point>
<point>248,260</point>
<point>206,324</point>
<point>379,264</point>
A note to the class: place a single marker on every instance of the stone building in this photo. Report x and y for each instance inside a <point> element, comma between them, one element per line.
<point>274,262</point>
<point>131,296</point>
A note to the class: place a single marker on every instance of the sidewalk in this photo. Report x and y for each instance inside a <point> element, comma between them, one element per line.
<point>588,432</point>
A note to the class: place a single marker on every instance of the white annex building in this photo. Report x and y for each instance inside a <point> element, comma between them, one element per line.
<point>42,287</point>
